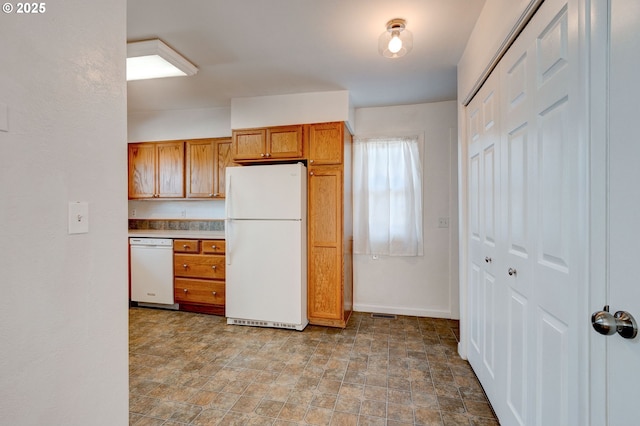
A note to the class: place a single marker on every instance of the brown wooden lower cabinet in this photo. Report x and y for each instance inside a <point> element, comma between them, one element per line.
<point>199,275</point>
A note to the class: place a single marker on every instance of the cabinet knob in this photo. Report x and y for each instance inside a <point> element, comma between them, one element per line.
<point>311,161</point>
<point>268,155</point>
<point>185,290</point>
<point>261,155</point>
<point>214,247</point>
<point>214,293</point>
<point>185,266</point>
<point>512,271</point>
<point>185,246</point>
<point>215,194</point>
<point>213,267</point>
<point>488,259</point>
<point>310,173</point>
<point>211,195</point>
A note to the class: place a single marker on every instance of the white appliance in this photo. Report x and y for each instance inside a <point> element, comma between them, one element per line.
<point>266,237</point>
<point>152,272</point>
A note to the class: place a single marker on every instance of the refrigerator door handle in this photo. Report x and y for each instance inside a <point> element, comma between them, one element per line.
<point>228,238</point>
<point>228,220</point>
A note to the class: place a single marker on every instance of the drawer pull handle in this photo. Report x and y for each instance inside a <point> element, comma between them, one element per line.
<point>185,266</point>
<point>185,290</point>
<point>512,271</point>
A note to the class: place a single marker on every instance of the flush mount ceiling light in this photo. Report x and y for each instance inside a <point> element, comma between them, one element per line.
<point>396,41</point>
<point>154,59</point>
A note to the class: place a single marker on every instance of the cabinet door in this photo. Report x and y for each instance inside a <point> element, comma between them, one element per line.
<point>284,142</point>
<point>224,159</point>
<point>170,169</point>
<point>325,143</point>
<point>249,144</point>
<point>325,286</point>
<point>141,170</point>
<point>200,168</point>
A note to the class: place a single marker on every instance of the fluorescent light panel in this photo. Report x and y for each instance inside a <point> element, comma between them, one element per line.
<point>154,59</point>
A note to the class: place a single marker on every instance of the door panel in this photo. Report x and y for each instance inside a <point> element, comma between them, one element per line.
<point>517,360</point>
<point>552,359</point>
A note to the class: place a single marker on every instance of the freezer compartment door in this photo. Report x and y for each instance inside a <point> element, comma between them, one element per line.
<point>266,192</point>
<point>267,271</point>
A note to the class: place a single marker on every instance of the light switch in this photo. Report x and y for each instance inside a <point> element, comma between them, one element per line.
<point>78,217</point>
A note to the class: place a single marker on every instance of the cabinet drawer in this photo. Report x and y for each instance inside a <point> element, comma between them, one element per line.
<point>186,246</point>
<point>198,266</point>
<point>213,246</point>
<point>199,291</point>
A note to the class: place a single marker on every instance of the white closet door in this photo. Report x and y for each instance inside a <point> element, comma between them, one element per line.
<point>544,172</point>
<point>524,306</point>
<point>484,296</point>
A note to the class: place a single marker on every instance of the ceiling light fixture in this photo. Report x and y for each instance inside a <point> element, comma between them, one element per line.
<point>154,59</point>
<point>396,41</point>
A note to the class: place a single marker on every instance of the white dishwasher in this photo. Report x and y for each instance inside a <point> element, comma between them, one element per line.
<point>152,272</point>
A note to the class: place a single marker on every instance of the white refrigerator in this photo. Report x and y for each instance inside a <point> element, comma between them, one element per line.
<point>266,246</point>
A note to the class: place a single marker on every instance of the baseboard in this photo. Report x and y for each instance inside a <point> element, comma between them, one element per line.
<point>430,313</point>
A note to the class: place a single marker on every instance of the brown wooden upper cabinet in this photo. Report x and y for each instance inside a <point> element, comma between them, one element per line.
<point>325,143</point>
<point>206,163</point>
<point>271,143</point>
<point>156,170</point>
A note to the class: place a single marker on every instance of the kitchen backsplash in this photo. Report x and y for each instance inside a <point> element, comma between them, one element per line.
<point>177,224</point>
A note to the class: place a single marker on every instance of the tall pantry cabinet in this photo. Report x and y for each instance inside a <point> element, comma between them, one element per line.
<point>330,276</point>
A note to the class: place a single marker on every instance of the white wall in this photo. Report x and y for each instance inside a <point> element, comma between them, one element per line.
<point>63,310</point>
<point>427,285</point>
<point>297,108</point>
<point>146,126</point>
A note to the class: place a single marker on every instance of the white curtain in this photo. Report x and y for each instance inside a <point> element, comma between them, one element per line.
<point>387,197</point>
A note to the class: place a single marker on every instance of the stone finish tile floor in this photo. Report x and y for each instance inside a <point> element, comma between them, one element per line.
<point>194,369</point>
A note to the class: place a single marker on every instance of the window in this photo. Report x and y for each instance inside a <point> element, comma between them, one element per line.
<point>387,196</point>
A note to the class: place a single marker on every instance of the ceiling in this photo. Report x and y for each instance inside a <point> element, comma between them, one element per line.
<point>273,47</point>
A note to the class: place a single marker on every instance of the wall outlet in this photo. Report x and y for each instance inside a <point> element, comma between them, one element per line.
<point>443,222</point>
<point>133,212</point>
<point>183,213</point>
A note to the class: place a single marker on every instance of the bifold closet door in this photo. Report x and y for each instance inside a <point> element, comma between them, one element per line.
<point>484,301</point>
<point>523,309</point>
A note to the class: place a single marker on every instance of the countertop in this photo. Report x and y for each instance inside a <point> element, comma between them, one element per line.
<point>176,233</point>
